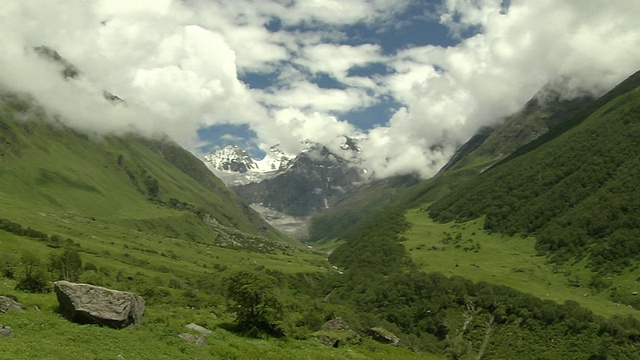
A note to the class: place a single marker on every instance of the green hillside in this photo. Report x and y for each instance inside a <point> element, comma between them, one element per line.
<point>47,167</point>
<point>546,111</point>
<point>347,214</point>
<point>547,225</point>
<point>576,191</point>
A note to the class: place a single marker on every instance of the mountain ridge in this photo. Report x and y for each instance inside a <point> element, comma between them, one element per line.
<point>40,171</point>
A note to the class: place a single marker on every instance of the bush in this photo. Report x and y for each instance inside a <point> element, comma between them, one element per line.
<point>255,303</point>
<point>33,277</point>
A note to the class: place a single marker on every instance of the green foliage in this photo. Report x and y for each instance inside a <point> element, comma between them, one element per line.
<point>67,265</point>
<point>362,252</point>
<point>8,265</point>
<point>352,214</point>
<point>459,318</point>
<point>15,228</point>
<point>32,276</point>
<point>255,302</point>
<point>53,168</point>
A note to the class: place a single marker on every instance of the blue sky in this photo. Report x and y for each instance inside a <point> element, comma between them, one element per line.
<point>413,79</point>
<point>416,24</point>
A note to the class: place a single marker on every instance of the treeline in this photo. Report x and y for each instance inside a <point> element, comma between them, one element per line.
<point>578,193</point>
<point>17,229</point>
<point>459,318</point>
<point>462,319</point>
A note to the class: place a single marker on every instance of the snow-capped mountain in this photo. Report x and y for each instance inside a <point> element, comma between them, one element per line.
<point>231,159</point>
<point>289,187</point>
<point>236,167</point>
<point>314,180</point>
<point>275,160</point>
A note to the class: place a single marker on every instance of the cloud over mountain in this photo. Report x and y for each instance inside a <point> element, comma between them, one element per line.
<point>301,69</point>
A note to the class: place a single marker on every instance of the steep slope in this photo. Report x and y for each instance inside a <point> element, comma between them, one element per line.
<point>574,188</point>
<point>147,184</point>
<point>546,111</point>
<point>368,201</point>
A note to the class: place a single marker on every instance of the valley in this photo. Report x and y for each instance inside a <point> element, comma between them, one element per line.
<point>267,187</point>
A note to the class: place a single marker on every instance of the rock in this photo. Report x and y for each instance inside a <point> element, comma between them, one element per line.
<point>89,304</point>
<point>383,336</point>
<point>328,340</point>
<point>5,331</point>
<point>193,339</point>
<point>195,327</point>
<point>335,324</point>
<point>8,304</point>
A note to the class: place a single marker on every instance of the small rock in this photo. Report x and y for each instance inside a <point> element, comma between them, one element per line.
<point>383,336</point>
<point>328,341</point>
<point>8,304</point>
<point>195,327</point>
<point>193,339</point>
<point>634,293</point>
<point>335,324</point>
<point>5,331</point>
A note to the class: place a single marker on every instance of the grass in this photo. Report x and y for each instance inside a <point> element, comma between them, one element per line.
<point>508,260</point>
<point>41,333</point>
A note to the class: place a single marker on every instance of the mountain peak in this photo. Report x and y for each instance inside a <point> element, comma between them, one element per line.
<point>231,158</point>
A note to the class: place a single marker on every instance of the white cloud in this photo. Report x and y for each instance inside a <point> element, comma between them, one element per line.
<point>492,74</point>
<point>339,12</point>
<point>182,61</point>
<point>309,96</point>
<point>290,125</point>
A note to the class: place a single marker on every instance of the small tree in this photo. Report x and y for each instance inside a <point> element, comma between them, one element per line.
<point>7,266</point>
<point>68,265</point>
<point>255,301</point>
<point>33,278</point>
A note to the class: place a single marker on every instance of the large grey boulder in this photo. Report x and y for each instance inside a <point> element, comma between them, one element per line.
<point>89,304</point>
<point>8,304</point>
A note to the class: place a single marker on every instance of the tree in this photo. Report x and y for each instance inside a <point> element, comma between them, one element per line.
<point>7,265</point>
<point>68,265</point>
<point>255,301</point>
<point>33,278</point>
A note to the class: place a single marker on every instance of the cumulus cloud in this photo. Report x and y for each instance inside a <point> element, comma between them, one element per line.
<point>183,65</point>
<point>448,93</point>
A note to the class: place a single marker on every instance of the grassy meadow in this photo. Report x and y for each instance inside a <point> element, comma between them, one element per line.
<point>41,333</point>
<point>512,261</point>
<point>149,264</point>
